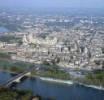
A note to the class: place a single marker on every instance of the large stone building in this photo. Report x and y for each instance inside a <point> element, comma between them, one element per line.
<point>29,38</point>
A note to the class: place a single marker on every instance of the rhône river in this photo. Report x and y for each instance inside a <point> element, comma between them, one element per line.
<point>3,30</point>
<point>56,90</point>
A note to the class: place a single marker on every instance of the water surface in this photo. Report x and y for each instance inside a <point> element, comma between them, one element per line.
<point>57,91</point>
<point>3,30</point>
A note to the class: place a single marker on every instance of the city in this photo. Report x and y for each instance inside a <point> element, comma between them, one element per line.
<point>56,47</point>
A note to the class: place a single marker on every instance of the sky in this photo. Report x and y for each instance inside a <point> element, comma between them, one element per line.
<point>53,3</point>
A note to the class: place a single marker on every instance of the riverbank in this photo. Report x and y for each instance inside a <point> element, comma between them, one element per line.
<point>69,82</point>
<point>8,71</point>
<point>45,78</point>
<point>54,91</point>
<point>92,86</point>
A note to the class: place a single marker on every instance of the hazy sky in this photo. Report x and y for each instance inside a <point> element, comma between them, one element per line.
<point>54,3</point>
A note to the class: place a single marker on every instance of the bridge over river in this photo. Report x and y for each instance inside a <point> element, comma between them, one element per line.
<point>17,78</point>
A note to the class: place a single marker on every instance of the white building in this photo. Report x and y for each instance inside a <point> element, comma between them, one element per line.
<point>27,39</point>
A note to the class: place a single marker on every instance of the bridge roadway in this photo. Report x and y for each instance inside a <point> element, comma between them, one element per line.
<point>17,78</point>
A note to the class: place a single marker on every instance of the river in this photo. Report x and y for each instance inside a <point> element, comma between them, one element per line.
<point>3,30</point>
<point>56,90</point>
